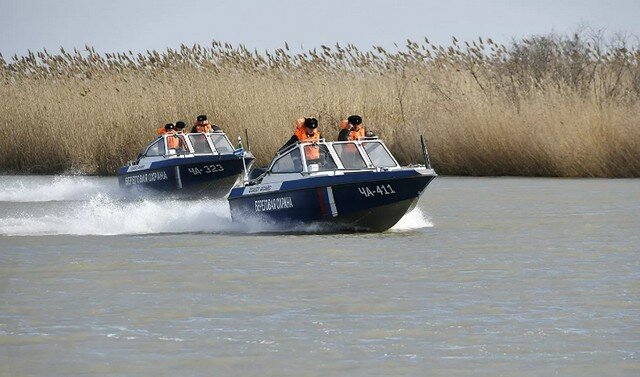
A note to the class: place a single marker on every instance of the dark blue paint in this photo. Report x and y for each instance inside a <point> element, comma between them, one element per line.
<point>309,204</point>
<point>219,181</point>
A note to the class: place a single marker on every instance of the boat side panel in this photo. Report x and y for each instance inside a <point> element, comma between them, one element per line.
<point>198,174</point>
<point>209,172</point>
<point>333,203</point>
<point>298,182</point>
<point>157,179</point>
<point>364,195</point>
<point>300,205</point>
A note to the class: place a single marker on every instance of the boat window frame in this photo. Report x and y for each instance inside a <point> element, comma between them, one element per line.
<point>183,138</point>
<point>299,146</point>
<point>305,166</point>
<point>319,145</point>
<point>192,148</point>
<point>188,148</point>
<point>213,144</point>
<point>282,156</point>
<point>363,155</point>
<point>162,139</point>
<point>377,141</point>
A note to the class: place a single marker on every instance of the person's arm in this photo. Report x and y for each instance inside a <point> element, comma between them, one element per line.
<point>293,140</point>
<point>345,128</point>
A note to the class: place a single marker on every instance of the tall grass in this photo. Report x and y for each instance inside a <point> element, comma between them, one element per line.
<point>542,106</point>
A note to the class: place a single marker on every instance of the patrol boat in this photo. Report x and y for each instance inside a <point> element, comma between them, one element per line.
<point>193,163</point>
<point>343,186</point>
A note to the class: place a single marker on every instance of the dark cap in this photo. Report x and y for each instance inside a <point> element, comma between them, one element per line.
<point>311,123</point>
<point>169,126</point>
<point>354,119</point>
<point>201,118</point>
<point>180,125</point>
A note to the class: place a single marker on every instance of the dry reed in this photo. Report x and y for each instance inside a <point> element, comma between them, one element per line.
<point>542,106</point>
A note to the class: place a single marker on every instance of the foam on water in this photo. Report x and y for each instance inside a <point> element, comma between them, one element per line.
<point>102,215</point>
<point>412,221</point>
<point>97,206</point>
<point>57,188</point>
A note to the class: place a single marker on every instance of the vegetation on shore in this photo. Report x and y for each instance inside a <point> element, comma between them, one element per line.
<point>542,106</point>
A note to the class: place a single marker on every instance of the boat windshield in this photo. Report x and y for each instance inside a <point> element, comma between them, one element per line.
<point>200,144</point>
<point>378,155</point>
<point>319,158</point>
<point>182,147</point>
<point>289,163</point>
<point>222,144</point>
<point>350,155</point>
<point>156,148</point>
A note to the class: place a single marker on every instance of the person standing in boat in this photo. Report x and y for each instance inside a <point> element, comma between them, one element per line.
<point>173,140</point>
<point>352,128</point>
<point>202,125</point>
<point>164,129</point>
<point>180,125</point>
<point>306,130</point>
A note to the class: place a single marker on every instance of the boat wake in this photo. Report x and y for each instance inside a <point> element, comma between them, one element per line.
<point>102,215</point>
<point>413,220</point>
<point>105,216</point>
<point>57,188</point>
<point>37,206</point>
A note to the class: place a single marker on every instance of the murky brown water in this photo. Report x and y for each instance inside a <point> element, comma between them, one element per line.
<point>505,276</point>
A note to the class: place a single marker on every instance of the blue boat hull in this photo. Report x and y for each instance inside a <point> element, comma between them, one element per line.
<point>210,176</point>
<point>366,201</point>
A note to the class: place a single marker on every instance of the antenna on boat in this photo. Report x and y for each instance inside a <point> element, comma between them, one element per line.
<point>427,162</point>
<point>246,135</point>
<point>240,152</point>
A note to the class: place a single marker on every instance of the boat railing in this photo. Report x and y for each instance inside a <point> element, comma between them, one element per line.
<point>158,148</point>
<point>186,146</point>
<point>370,161</point>
<point>297,144</point>
<point>360,155</point>
<point>324,141</point>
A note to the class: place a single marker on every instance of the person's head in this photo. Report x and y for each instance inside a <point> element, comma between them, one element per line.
<point>355,121</point>
<point>180,126</point>
<point>310,124</point>
<point>201,120</point>
<point>169,127</point>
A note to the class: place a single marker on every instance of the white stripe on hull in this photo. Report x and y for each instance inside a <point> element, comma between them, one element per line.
<point>332,202</point>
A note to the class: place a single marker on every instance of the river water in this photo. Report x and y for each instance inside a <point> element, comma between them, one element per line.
<point>488,276</point>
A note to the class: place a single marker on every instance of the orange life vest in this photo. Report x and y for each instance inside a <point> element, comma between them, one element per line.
<point>161,131</point>
<point>173,141</point>
<point>353,134</point>
<point>311,152</point>
<point>357,134</point>
<point>204,127</point>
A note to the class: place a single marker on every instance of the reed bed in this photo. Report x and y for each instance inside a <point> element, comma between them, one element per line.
<point>542,106</point>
